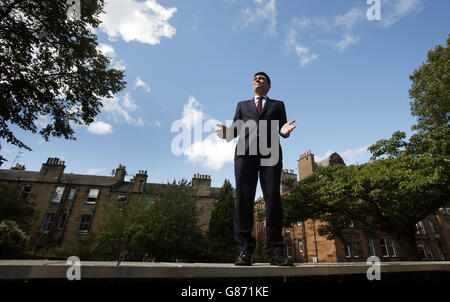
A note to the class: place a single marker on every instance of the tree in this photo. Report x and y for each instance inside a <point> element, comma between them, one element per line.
<point>221,228</point>
<point>405,181</point>
<point>123,229</point>
<point>173,225</point>
<point>50,67</point>
<point>430,90</point>
<point>13,240</point>
<point>15,206</point>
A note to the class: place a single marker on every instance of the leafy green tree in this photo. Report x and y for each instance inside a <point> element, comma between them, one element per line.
<point>405,181</point>
<point>123,229</point>
<point>221,228</point>
<point>430,91</point>
<point>50,67</point>
<point>15,206</point>
<point>173,225</point>
<point>13,241</point>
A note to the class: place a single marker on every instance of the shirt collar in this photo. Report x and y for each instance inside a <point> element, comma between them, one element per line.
<point>256,98</point>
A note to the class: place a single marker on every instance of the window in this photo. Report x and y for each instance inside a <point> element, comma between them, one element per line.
<point>48,220</point>
<point>300,246</point>
<point>85,222</point>
<point>57,195</point>
<point>429,253</point>
<point>26,191</point>
<point>420,228</point>
<point>92,196</point>
<point>288,250</point>
<point>392,247</point>
<point>433,229</point>
<point>444,211</point>
<point>421,251</point>
<point>121,197</point>
<point>61,221</point>
<point>355,248</point>
<point>348,252</point>
<point>371,248</point>
<point>383,246</point>
<point>71,193</point>
<point>441,253</point>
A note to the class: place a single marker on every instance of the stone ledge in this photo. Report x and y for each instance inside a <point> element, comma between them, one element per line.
<point>95,270</point>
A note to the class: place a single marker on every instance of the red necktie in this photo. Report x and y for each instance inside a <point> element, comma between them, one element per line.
<point>260,98</point>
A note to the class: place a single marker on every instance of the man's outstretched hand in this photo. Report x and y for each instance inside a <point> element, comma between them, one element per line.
<point>287,128</point>
<point>221,132</point>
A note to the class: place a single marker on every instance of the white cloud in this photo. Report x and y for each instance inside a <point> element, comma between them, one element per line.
<point>393,11</point>
<point>108,51</point>
<point>356,156</point>
<point>128,102</point>
<point>304,55</point>
<point>145,22</point>
<point>100,128</point>
<point>350,156</point>
<point>346,41</point>
<point>350,19</point>
<point>158,123</point>
<point>118,108</point>
<point>341,31</point>
<point>192,113</point>
<point>96,171</point>
<point>139,83</point>
<point>262,11</point>
<point>303,52</point>
<point>211,152</point>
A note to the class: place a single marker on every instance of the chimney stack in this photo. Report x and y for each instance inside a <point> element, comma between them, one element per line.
<point>140,179</point>
<point>52,170</point>
<point>305,164</point>
<point>202,183</point>
<point>120,173</point>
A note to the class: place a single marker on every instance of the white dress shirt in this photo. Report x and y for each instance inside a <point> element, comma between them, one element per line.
<point>263,101</point>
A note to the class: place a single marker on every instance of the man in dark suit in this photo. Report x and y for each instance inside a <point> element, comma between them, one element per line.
<point>257,122</point>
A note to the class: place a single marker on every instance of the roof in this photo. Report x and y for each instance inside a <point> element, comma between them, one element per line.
<point>331,160</point>
<point>88,180</point>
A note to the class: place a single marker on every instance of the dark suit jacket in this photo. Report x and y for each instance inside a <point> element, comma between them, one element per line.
<point>247,113</point>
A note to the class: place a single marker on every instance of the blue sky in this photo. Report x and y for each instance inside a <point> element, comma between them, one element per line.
<point>343,78</point>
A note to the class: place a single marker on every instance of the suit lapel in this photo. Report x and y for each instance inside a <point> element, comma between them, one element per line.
<point>253,109</point>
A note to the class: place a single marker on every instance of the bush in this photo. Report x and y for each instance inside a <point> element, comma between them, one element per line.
<point>13,241</point>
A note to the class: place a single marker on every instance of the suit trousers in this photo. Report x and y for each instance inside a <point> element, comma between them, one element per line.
<point>247,169</point>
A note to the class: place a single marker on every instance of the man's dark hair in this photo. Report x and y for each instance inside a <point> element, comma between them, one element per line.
<point>264,74</point>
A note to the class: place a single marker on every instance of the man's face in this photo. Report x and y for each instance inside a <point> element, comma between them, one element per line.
<point>260,85</point>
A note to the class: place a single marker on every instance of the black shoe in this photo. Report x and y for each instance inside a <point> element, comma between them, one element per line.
<point>243,259</point>
<point>277,258</point>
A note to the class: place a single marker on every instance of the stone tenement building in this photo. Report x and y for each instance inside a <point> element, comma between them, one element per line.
<point>304,244</point>
<point>71,205</point>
